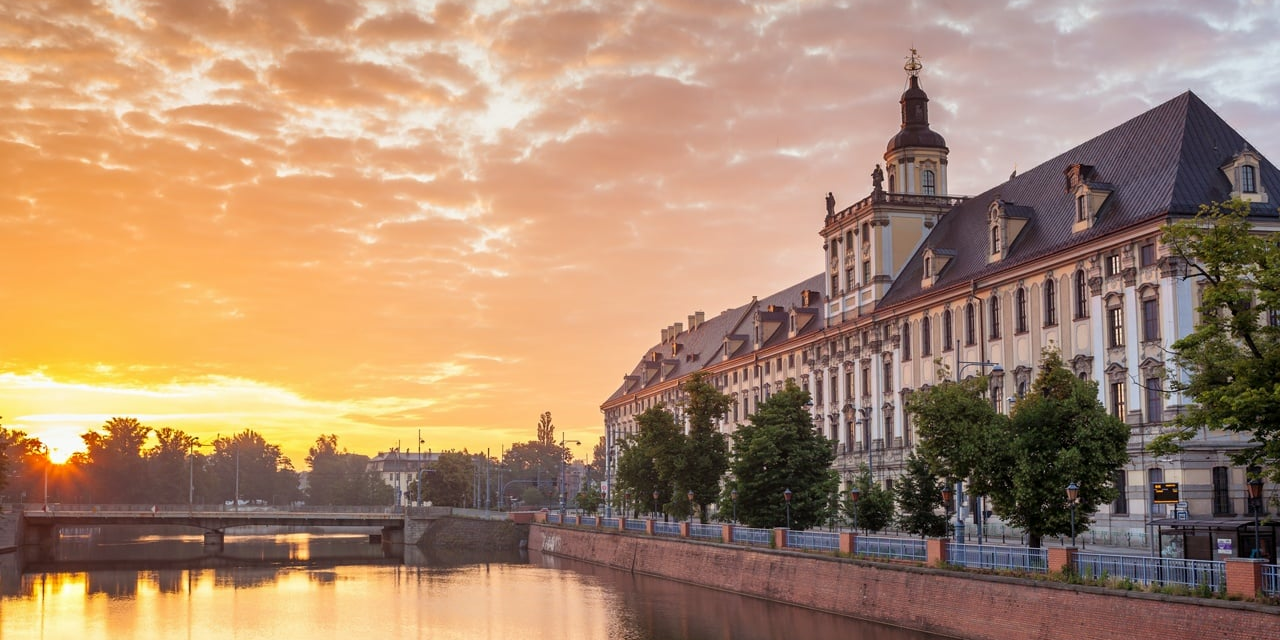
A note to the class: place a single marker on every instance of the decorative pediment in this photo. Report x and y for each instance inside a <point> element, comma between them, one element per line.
<point>1005,222</point>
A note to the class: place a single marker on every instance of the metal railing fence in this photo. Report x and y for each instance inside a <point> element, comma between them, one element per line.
<point>891,548</point>
<point>1193,574</point>
<point>748,535</point>
<point>816,540</point>
<point>706,531</point>
<point>998,558</point>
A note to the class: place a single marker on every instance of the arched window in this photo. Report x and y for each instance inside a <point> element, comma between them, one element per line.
<point>995,317</point>
<point>970,325</point>
<point>891,182</point>
<point>1020,310</point>
<point>926,337</point>
<point>946,330</point>
<point>1082,295</point>
<point>906,340</point>
<point>1050,303</point>
<point>927,184</point>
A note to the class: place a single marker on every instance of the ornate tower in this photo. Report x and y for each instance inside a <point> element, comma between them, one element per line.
<point>916,157</point>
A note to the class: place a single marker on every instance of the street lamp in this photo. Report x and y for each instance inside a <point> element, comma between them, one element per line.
<point>786,496</point>
<point>1073,495</point>
<point>947,494</point>
<point>854,494</point>
<point>864,414</point>
<point>691,506</point>
<point>655,504</point>
<point>564,489</point>
<point>1255,502</point>
<point>733,495</point>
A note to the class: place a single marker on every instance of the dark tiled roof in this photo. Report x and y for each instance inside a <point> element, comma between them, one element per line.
<point>1165,161</point>
<point>704,345</point>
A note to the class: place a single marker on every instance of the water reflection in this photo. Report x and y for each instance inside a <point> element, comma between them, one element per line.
<point>158,585</point>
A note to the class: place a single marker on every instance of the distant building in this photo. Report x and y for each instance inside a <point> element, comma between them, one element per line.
<point>399,468</point>
<point>1066,254</point>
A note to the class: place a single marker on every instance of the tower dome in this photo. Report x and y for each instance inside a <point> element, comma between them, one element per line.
<point>916,156</point>
<point>915,130</point>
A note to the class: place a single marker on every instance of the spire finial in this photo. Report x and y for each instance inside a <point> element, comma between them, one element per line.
<point>913,65</point>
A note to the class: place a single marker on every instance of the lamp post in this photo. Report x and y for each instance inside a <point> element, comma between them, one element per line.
<point>854,494</point>
<point>655,504</point>
<point>690,496</point>
<point>626,500</point>
<point>564,489</point>
<point>46,477</point>
<point>1073,495</point>
<point>786,497</point>
<point>946,498</point>
<point>733,496</point>
<point>864,418</point>
<point>1255,503</point>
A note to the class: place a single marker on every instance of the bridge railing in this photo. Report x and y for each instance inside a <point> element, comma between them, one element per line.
<point>218,508</point>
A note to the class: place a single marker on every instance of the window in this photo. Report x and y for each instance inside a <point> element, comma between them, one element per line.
<point>866,381</point>
<point>1118,407</point>
<point>927,184</point>
<point>1120,480</point>
<point>887,381</point>
<point>791,360</point>
<point>1050,303</point>
<point>1150,320</point>
<point>970,323</point>
<point>1154,475</point>
<point>848,384</point>
<point>1020,310</point>
<point>849,275</point>
<point>766,367</point>
<point>866,272</point>
<point>835,283</point>
<point>926,337</point>
<point>1248,179</point>
<point>1082,212</point>
<point>1113,264</point>
<point>1147,254</point>
<point>906,340</point>
<point>1155,400</point>
<point>995,318</point>
<point>995,240</point>
<point>1082,295</point>
<point>946,330</point>
<point>1221,491</point>
<point>1115,327</point>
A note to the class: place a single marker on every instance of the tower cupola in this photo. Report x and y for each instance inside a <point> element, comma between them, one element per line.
<point>916,157</point>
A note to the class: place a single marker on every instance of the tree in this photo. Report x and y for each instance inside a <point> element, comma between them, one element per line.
<point>704,455</point>
<point>1232,357</point>
<point>169,477</point>
<point>113,462</point>
<point>919,499</point>
<point>779,450</point>
<point>448,481</point>
<point>546,430</point>
<point>537,463</point>
<point>874,505</point>
<point>22,463</point>
<point>248,467</point>
<point>595,470</point>
<point>954,423</point>
<point>589,499</point>
<point>1059,433</point>
<point>647,457</point>
<point>339,477</point>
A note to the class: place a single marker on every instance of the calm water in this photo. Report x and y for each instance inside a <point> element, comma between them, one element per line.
<point>114,583</point>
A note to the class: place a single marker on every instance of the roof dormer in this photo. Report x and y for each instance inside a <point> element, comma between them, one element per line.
<point>1004,222</point>
<point>935,260</point>
<point>1244,172</point>
<point>1088,195</point>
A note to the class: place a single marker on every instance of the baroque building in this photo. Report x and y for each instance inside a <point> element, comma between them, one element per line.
<point>917,284</point>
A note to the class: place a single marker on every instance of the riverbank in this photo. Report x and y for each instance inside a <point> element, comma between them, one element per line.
<point>935,600</point>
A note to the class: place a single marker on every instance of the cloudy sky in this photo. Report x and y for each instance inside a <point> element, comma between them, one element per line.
<point>370,218</point>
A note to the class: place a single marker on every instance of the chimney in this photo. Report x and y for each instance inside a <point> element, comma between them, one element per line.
<point>665,335</point>
<point>679,328</point>
<point>700,317</point>
<point>693,324</point>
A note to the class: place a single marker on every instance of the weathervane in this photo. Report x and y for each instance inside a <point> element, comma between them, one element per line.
<point>913,65</point>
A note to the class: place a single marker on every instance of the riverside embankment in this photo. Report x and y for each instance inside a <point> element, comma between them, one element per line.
<point>936,600</point>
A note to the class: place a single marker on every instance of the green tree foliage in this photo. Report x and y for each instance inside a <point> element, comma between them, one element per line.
<point>704,455</point>
<point>339,477</point>
<point>589,499</point>
<point>168,466</point>
<point>874,505</point>
<point>449,482</point>
<point>1058,434</point>
<point>595,470</point>
<point>546,430</point>
<point>113,462</point>
<point>535,463</point>
<point>264,473</point>
<point>919,499</point>
<point>778,450</point>
<point>955,424</point>
<point>1232,357</point>
<point>24,461</point>
<point>647,458</point>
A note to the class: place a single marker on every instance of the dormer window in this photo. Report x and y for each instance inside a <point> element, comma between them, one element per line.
<point>1242,172</point>
<point>1082,211</point>
<point>1087,193</point>
<point>933,262</point>
<point>995,240</point>
<point>1005,221</point>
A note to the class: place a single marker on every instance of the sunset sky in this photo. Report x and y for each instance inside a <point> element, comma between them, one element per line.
<point>370,218</point>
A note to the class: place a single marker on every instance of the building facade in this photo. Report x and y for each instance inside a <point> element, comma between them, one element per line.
<point>918,285</point>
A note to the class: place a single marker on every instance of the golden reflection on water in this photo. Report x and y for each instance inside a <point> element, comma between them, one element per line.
<point>296,592</point>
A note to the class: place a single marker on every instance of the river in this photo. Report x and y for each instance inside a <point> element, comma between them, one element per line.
<point>125,583</point>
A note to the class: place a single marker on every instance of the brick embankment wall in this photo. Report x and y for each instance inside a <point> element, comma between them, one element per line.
<point>941,601</point>
<point>471,534</point>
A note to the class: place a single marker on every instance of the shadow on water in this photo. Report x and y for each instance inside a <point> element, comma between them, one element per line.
<point>667,609</point>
